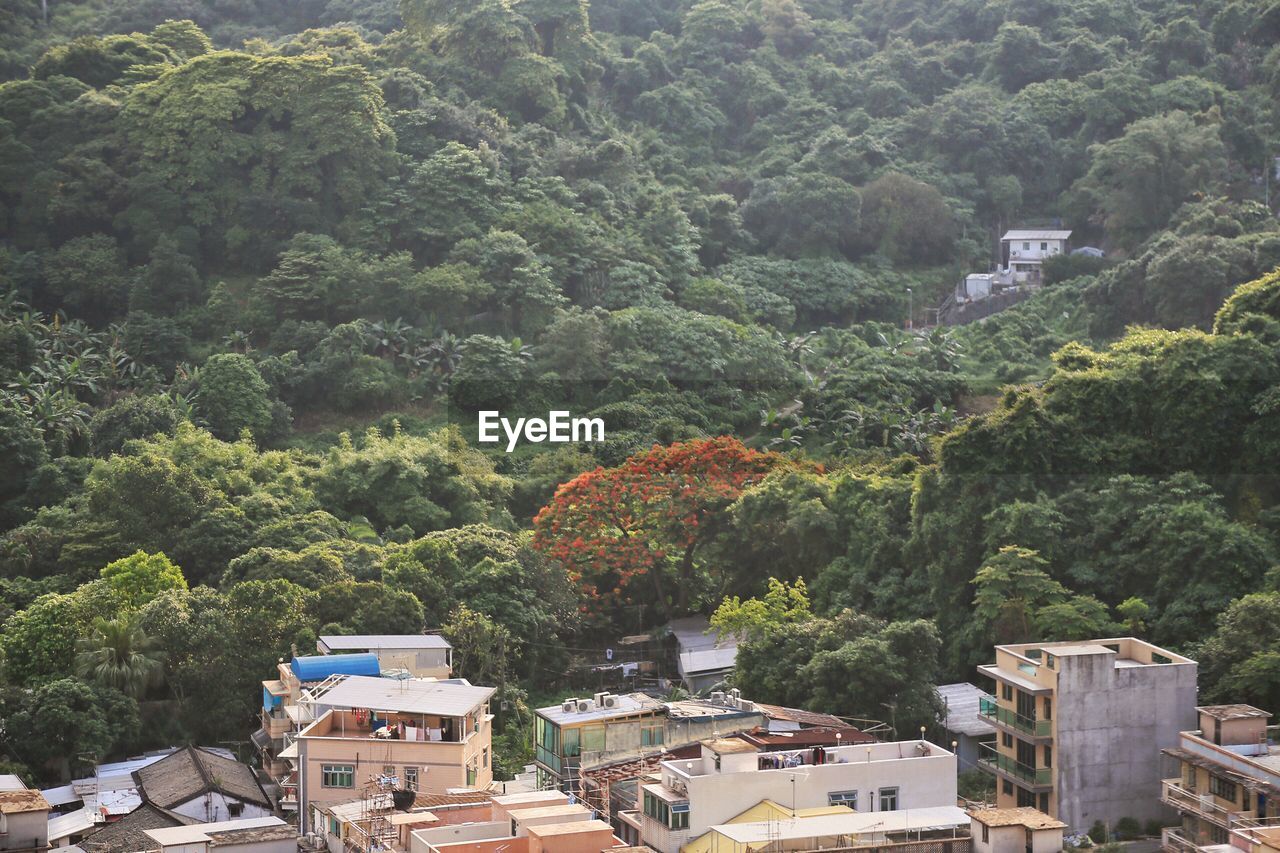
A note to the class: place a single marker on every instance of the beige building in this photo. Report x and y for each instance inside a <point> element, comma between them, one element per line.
<point>1228,778</point>
<point>371,733</point>
<point>24,817</point>
<point>1018,830</point>
<point>1079,727</point>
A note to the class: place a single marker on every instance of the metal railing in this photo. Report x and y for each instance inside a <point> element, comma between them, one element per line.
<point>1173,840</point>
<point>988,709</point>
<point>993,760</point>
<point>1203,805</point>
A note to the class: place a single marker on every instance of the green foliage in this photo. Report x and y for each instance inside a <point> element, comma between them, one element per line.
<point>140,577</point>
<point>232,397</point>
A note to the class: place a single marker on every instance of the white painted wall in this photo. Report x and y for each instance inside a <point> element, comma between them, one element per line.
<point>211,808</point>
<point>1019,254</point>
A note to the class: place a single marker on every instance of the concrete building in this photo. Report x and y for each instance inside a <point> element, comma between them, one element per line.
<point>420,655</point>
<point>579,734</point>
<point>535,822</point>
<point>1255,837</point>
<point>961,703</point>
<point>24,817</point>
<point>1024,252</point>
<point>704,658</point>
<point>1227,776</point>
<point>413,734</point>
<point>939,829</point>
<point>250,835</point>
<point>733,774</point>
<point>1021,830</point>
<point>1080,726</point>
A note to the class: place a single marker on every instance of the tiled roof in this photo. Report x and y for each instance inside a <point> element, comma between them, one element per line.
<point>128,834</point>
<point>192,771</point>
<point>27,800</point>
<point>1023,816</point>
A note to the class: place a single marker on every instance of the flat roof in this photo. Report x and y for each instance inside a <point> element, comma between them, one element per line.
<point>962,701</point>
<point>408,695</point>
<point>729,745</point>
<point>1233,712</point>
<point>1037,234</point>
<point>626,705</point>
<point>1018,681</point>
<point>1023,816</point>
<point>402,818</point>
<point>570,828</point>
<point>548,811</point>
<point>530,797</point>
<point>371,642</point>
<point>201,832</point>
<point>853,823</point>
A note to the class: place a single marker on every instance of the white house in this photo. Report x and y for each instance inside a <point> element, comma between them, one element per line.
<point>1024,252</point>
<point>733,774</point>
<point>1016,830</point>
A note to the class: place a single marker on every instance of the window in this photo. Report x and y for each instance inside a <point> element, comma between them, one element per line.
<point>679,816</point>
<point>1026,753</point>
<point>471,772</point>
<point>843,798</point>
<point>411,778</point>
<point>1006,740</point>
<point>235,808</point>
<point>1044,803</point>
<point>888,799</point>
<point>1048,708</point>
<point>986,834</point>
<point>1044,247</point>
<point>593,739</point>
<point>1220,787</point>
<point>1048,755</point>
<point>651,734</point>
<point>334,827</point>
<point>1026,705</point>
<point>1007,787</point>
<point>572,742</point>
<point>337,776</point>
<point>1006,690</point>
<point>1026,798</point>
<point>485,762</point>
<point>1026,247</point>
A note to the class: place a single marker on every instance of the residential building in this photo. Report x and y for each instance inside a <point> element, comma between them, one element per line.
<point>1081,724</point>
<point>24,817</point>
<point>584,733</point>
<point>129,833</point>
<point>1025,251</point>
<point>704,657</point>
<point>1018,830</point>
<point>354,825</point>
<point>1256,837</point>
<point>420,655</point>
<point>1227,776</point>
<point>414,734</point>
<point>202,785</point>
<point>249,835</point>
<point>937,829</point>
<point>964,728</point>
<point>733,774</point>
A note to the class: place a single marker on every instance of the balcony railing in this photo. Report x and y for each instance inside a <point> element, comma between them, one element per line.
<point>1172,793</point>
<point>1173,840</point>
<point>989,758</point>
<point>988,709</point>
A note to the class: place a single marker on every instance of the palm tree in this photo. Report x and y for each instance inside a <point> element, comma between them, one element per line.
<point>119,654</point>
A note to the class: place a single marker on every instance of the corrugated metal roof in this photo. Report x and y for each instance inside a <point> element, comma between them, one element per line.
<point>320,667</point>
<point>1037,235</point>
<point>409,695</point>
<point>708,660</point>
<point>371,642</point>
<point>962,700</point>
<point>71,823</point>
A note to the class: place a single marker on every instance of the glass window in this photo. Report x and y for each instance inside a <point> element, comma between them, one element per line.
<point>1048,708</point>
<point>1048,755</point>
<point>571,738</point>
<point>1026,798</point>
<point>485,762</point>
<point>888,799</point>
<point>679,816</point>
<point>1044,247</point>
<point>1006,690</point>
<point>1220,787</point>
<point>1044,803</point>
<point>1007,787</point>
<point>593,739</point>
<point>337,776</point>
<point>1026,246</point>
<point>986,834</point>
<point>1006,739</point>
<point>843,798</point>
<point>651,734</point>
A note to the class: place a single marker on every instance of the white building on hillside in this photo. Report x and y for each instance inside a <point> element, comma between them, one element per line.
<point>1024,252</point>
<point>733,774</point>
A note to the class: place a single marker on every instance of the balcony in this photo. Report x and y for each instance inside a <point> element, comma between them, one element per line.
<point>1202,805</point>
<point>275,723</point>
<point>1007,718</point>
<point>1173,840</point>
<point>1006,765</point>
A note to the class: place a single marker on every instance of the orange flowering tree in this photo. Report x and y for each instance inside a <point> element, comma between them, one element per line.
<point>631,535</point>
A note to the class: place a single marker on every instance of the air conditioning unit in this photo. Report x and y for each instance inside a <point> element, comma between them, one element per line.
<point>584,705</point>
<point>599,698</point>
<point>610,701</point>
<point>569,706</point>
<point>746,705</point>
<point>735,694</point>
<point>717,697</point>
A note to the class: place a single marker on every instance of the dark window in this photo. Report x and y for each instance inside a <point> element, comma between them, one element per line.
<point>1044,803</point>
<point>1220,787</point>
<point>1026,798</point>
<point>1026,753</point>
<point>986,834</point>
<point>1006,739</point>
<point>1048,755</point>
<point>1048,708</point>
<point>1006,786</point>
<point>888,799</point>
<point>1027,705</point>
<point>1006,690</point>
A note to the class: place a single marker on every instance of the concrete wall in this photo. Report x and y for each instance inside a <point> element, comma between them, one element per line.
<point>425,840</point>
<point>26,829</point>
<point>1111,723</point>
<point>623,738</point>
<point>599,837</point>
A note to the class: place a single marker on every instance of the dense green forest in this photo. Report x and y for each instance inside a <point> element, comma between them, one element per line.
<point>261,261</point>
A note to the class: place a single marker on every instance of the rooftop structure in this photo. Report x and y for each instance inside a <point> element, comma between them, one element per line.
<point>128,834</point>
<point>968,731</point>
<point>418,655</point>
<point>843,831</point>
<point>253,835</point>
<point>1227,776</point>
<point>704,657</point>
<point>1080,725</point>
<point>1015,830</point>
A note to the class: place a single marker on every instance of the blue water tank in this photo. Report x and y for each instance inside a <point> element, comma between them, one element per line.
<point>320,667</point>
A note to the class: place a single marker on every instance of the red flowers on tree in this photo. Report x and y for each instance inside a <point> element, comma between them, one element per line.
<point>630,535</point>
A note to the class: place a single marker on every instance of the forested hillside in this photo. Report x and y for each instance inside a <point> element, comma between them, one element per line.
<point>261,261</point>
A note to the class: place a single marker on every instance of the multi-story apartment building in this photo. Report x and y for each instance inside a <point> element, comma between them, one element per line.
<point>416,734</point>
<point>733,774</point>
<point>1080,725</point>
<point>1228,778</point>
